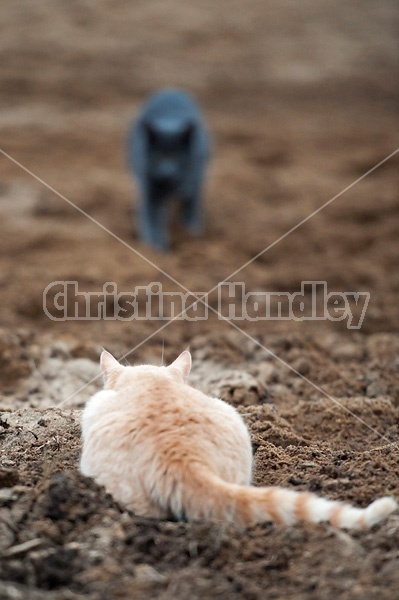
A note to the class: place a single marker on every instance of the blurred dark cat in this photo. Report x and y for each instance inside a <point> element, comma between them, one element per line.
<point>169,151</point>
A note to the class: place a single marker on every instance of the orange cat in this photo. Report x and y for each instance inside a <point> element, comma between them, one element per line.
<point>164,449</point>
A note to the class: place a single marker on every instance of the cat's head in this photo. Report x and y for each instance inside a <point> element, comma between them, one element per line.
<point>117,376</point>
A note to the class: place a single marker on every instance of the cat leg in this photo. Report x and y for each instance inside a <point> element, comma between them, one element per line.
<point>153,222</point>
<point>160,225</point>
<point>192,212</point>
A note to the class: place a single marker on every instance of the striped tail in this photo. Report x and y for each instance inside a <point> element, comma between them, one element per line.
<point>247,505</point>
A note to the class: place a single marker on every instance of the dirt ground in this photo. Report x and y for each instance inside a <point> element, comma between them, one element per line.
<point>301,102</point>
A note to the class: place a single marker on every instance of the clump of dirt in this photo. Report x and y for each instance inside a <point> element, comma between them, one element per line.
<point>59,372</point>
<point>15,358</point>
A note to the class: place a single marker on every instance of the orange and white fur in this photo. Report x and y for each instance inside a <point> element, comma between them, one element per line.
<point>165,449</point>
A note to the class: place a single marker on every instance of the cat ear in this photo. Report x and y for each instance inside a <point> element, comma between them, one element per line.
<point>182,364</point>
<point>109,365</point>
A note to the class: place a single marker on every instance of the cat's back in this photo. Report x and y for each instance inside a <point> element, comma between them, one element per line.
<point>149,428</point>
<point>165,403</point>
<point>169,418</point>
<point>174,403</point>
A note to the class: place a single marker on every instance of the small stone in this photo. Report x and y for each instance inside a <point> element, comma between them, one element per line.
<point>60,350</point>
<point>147,573</point>
<point>297,384</point>
<point>347,351</point>
<point>295,480</point>
<point>301,365</point>
<point>6,536</point>
<point>266,372</point>
<point>374,389</point>
<point>8,478</point>
<point>278,390</point>
<point>23,548</point>
<point>6,495</point>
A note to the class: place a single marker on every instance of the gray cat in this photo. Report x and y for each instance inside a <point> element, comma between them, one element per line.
<point>169,148</point>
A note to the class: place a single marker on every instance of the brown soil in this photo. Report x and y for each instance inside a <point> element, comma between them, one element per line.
<point>301,102</point>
